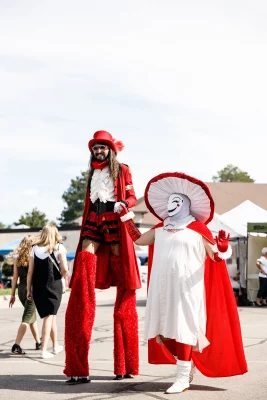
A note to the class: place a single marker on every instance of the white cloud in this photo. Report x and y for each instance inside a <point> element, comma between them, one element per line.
<point>30,192</point>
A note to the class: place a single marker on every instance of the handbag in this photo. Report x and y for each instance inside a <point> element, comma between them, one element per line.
<point>63,281</point>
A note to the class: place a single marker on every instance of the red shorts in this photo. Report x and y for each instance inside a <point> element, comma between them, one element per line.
<point>102,228</point>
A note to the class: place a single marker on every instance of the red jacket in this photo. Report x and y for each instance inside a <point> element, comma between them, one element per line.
<point>224,356</point>
<point>123,188</point>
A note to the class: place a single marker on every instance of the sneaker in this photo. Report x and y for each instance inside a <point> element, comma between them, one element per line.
<point>46,354</point>
<point>17,350</point>
<point>58,349</point>
<point>38,345</point>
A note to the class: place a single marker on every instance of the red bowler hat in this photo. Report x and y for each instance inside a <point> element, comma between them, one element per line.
<point>160,188</point>
<point>106,137</point>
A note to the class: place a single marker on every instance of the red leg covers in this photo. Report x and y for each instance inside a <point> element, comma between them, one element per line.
<point>126,358</point>
<point>80,316</point>
<point>116,272</point>
<point>181,350</point>
<point>184,351</point>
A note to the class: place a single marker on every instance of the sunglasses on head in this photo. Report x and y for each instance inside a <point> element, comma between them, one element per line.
<point>100,147</point>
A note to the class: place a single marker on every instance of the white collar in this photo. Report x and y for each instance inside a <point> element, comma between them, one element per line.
<point>179,224</point>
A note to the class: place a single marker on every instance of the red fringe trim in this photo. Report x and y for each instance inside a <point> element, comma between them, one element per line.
<point>132,230</point>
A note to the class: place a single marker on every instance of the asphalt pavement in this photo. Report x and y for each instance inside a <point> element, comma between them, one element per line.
<point>30,377</point>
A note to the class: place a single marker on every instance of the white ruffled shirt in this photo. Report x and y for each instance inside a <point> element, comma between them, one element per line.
<point>102,186</point>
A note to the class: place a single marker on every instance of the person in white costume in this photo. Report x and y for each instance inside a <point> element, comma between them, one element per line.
<point>176,306</point>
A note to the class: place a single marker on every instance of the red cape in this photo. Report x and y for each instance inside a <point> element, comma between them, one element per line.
<point>129,262</point>
<point>225,354</point>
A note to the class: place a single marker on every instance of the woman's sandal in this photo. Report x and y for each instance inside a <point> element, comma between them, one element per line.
<point>17,350</point>
<point>38,345</point>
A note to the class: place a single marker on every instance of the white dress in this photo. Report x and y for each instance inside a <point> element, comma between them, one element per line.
<point>176,296</point>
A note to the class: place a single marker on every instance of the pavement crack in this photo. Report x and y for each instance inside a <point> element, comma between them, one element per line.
<point>256,344</point>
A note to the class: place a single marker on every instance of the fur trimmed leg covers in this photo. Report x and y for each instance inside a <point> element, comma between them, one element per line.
<point>116,270</point>
<point>126,357</point>
<point>80,316</point>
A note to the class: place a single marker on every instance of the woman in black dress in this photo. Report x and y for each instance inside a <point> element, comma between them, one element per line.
<point>20,270</point>
<point>48,264</point>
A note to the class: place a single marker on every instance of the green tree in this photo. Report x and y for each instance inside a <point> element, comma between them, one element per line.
<point>2,226</point>
<point>230,173</point>
<point>74,197</point>
<point>34,219</point>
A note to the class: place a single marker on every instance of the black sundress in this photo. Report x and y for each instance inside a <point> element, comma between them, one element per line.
<point>46,286</point>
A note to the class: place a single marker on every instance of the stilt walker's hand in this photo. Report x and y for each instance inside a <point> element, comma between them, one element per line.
<point>120,208</point>
<point>127,218</point>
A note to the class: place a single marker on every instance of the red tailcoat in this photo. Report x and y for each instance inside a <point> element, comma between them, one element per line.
<point>224,356</point>
<point>123,188</point>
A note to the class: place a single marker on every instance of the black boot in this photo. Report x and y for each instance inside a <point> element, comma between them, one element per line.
<point>118,377</point>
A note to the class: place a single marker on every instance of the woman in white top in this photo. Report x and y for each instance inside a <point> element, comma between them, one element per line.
<point>21,258</point>
<point>48,264</point>
<point>262,265</point>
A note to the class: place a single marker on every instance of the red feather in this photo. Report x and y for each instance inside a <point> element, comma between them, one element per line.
<point>119,145</point>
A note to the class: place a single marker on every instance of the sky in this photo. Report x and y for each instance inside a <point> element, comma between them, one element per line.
<point>182,83</point>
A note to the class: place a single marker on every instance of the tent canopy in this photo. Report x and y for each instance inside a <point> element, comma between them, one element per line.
<point>70,255</point>
<point>216,225</point>
<point>21,226</point>
<point>6,248</point>
<point>238,218</point>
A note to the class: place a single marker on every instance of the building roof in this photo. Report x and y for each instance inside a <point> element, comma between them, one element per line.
<point>227,195</point>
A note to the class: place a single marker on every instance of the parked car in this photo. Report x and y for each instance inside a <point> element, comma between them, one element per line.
<point>142,256</point>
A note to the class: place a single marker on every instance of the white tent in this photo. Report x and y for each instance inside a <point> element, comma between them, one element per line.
<point>238,217</point>
<point>216,224</point>
<point>21,226</point>
<point>255,245</point>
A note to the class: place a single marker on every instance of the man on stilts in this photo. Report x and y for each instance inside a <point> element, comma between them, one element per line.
<point>105,257</point>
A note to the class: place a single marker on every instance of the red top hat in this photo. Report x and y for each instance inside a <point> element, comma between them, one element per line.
<point>105,137</point>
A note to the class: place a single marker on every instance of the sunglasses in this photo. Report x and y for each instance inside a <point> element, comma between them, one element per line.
<point>100,147</point>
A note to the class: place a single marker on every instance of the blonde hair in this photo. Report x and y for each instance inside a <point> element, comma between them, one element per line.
<point>24,250</point>
<point>49,237</point>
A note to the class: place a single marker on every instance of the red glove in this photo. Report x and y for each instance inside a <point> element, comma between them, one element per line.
<point>127,218</point>
<point>222,241</point>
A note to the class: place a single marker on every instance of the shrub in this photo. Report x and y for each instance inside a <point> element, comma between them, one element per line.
<point>7,270</point>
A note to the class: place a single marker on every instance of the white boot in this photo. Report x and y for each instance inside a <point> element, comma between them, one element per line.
<point>182,377</point>
<point>192,372</point>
